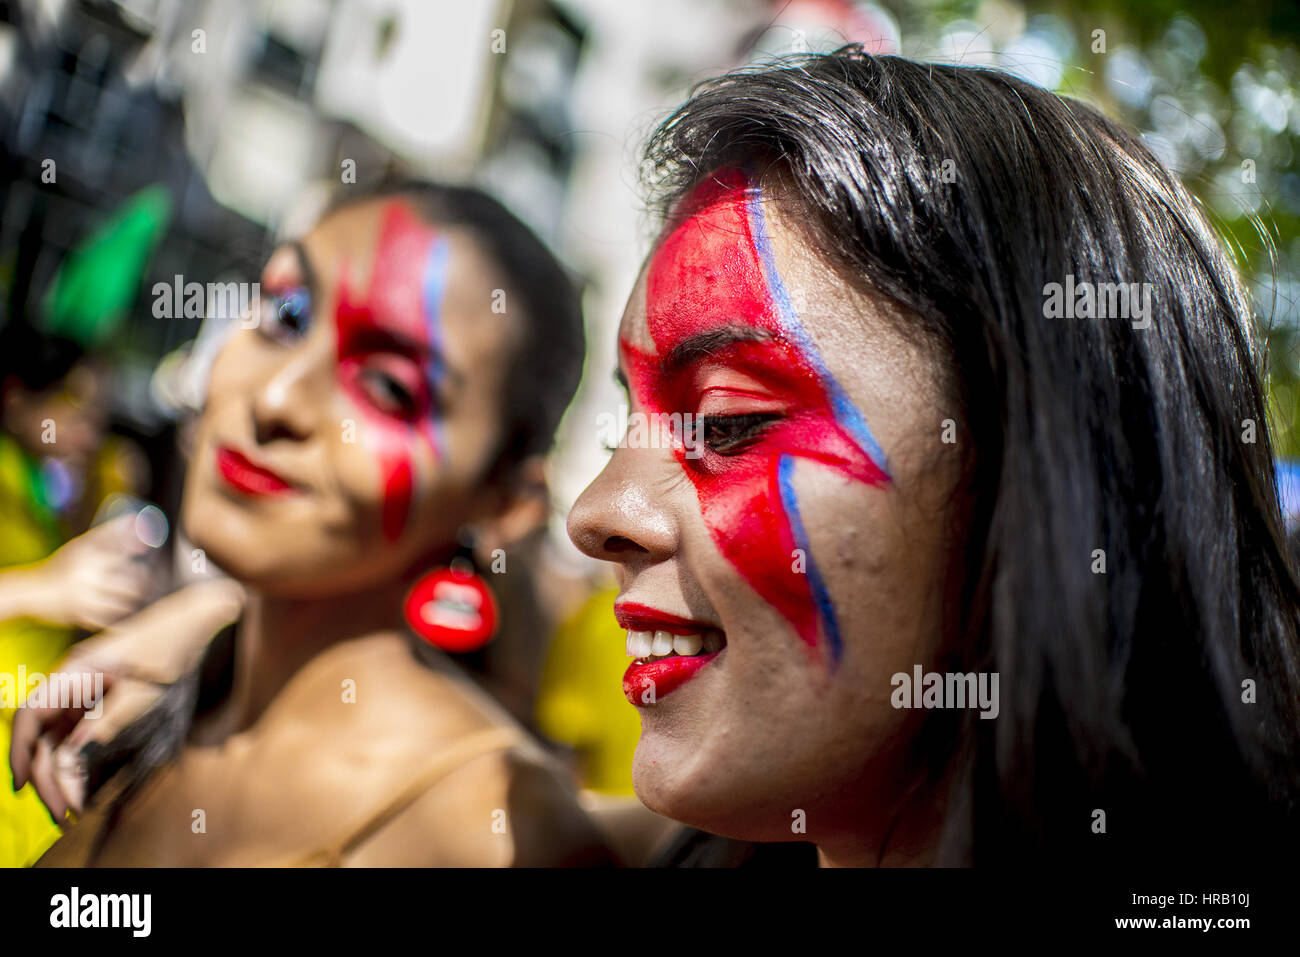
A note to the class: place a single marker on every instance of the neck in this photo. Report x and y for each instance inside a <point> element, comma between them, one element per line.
<point>910,835</point>
<point>277,636</point>
<point>902,851</point>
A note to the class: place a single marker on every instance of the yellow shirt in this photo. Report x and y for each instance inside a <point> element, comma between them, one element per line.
<point>28,532</point>
<point>580,701</point>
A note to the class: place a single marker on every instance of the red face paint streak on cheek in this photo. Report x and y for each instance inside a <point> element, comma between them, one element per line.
<point>391,442</point>
<point>740,501</point>
<point>705,275</point>
<point>395,298</point>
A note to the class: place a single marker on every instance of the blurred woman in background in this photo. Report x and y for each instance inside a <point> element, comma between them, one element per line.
<point>380,413</point>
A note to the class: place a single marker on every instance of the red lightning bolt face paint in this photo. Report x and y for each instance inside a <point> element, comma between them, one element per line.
<point>393,331</point>
<point>714,299</point>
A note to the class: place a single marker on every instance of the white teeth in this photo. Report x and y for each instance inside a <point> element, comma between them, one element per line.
<point>687,644</point>
<point>661,644</point>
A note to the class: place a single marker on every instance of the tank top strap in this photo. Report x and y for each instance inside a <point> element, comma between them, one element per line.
<point>443,763</point>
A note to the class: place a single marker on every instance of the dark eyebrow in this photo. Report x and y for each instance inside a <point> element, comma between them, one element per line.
<point>704,344</point>
<point>382,337</point>
<point>701,345</point>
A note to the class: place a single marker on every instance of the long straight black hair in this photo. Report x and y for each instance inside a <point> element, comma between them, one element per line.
<point>1123,565</point>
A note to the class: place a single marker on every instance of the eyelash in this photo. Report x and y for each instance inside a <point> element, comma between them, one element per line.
<point>750,427</point>
<point>740,431</point>
<point>399,395</point>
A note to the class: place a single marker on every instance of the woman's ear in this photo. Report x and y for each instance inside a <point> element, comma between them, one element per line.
<point>522,509</point>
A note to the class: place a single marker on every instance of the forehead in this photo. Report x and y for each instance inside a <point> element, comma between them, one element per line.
<point>383,257</point>
<point>735,254</point>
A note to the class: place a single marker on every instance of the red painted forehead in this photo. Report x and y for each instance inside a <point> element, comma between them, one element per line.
<point>706,272</point>
<point>407,277</point>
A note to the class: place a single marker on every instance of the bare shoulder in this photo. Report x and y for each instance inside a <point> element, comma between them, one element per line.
<point>376,686</point>
<point>508,808</point>
<point>368,720</point>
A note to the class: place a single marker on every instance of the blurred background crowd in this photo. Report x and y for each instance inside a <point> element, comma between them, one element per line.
<point>149,139</point>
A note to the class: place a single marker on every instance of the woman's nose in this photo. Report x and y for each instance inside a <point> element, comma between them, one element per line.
<point>287,405</point>
<point>619,517</point>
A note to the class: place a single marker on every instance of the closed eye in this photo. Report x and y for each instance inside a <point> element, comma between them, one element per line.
<point>389,395</point>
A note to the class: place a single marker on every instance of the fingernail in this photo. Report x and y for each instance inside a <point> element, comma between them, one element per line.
<point>75,790</point>
<point>70,772</point>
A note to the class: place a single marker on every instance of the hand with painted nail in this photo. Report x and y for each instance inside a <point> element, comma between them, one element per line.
<point>130,667</point>
<point>90,582</point>
<point>49,742</point>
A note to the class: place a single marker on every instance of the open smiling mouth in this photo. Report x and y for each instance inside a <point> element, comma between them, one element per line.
<point>649,646</point>
<point>668,651</point>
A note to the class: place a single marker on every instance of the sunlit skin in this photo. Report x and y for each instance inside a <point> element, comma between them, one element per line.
<point>337,419</point>
<point>399,316</point>
<point>730,346</point>
<point>358,420</point>
<point>793,715</point>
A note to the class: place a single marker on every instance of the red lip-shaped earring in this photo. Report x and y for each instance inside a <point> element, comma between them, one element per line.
<point>452,608</point>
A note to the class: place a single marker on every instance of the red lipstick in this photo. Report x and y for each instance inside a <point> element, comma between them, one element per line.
<point>645,682</point>
<point>637,617</point>
<point>246,476</point>
<point>661,677</point>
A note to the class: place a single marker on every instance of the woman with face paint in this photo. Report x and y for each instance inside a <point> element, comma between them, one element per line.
<point>380,407</point>
<point>926,565</point>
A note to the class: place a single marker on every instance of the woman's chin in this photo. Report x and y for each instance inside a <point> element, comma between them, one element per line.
<point>682,782</point>
<point>253,560</point>
<point>668,783</point>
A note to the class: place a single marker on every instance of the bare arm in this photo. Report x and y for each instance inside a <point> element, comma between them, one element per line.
<point>91,582</point>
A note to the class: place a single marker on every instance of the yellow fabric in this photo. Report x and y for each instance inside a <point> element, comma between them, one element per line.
<point>580,701</point>
<point>26,828</point>
<point>28,533</point>
<point>28,530</point>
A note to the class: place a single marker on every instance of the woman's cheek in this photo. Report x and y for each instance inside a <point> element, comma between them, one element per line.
<point>391,443</point>
<point>233,369</point>
<point>377,458</point>
<point>879,573</point>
